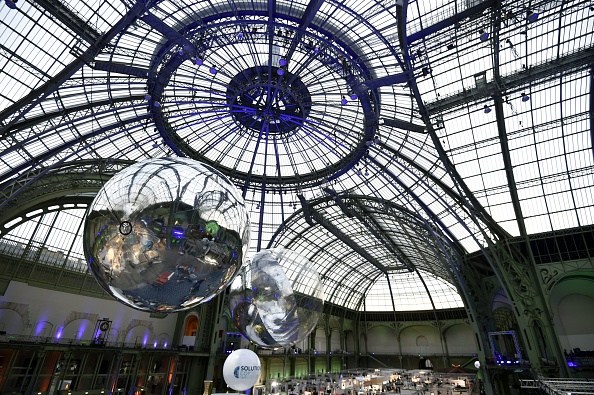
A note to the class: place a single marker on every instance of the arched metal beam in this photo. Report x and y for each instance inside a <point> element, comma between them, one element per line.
<point>468,199</point>
<point>319,218</point>
<point>13,113</point>
<point>30,122</point>
<point>579,60</point>
<point>472,292</point>
<point>49,203</point>
<point>492,224</point>
<point>64,180</point>
<point>479,8</point>
<point>50,154</point>
<point>524,263</point>
<point>71,19</point>
<point>591,110</point>
<point>358,211</point>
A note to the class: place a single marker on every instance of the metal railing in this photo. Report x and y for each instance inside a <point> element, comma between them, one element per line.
<point>559,386</point>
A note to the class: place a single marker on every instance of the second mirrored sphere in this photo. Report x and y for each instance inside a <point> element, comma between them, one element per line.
<point>167,234</point>
<point>277,298</point>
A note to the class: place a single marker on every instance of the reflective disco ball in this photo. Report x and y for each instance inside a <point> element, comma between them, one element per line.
<point>167,234</point>
<point>277,298</point>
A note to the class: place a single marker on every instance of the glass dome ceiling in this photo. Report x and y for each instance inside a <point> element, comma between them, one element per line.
<point>383,140</point>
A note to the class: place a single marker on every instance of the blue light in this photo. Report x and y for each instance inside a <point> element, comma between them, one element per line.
<point>572,364</point>
<point>178,233</point>
<point>280,71</point>
<point>199,62</point>
<point>484,36</point>
<point>212,70</point>
<point>282,62</point>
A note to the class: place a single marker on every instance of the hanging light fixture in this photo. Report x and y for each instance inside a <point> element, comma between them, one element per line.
<point>344,101</point>
<point>199,62</point>
<point>487,109</point>
<point>525,97</point>
<point>532,16</point>
<point>484,36</point>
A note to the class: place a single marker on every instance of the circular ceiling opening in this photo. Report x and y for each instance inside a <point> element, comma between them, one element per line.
<point>268,100</point>
<point>264,107</point>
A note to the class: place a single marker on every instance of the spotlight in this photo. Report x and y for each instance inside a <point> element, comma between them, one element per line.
<point>147,96</point>
<point>180,52</point>
<point>11,4</point>
<point>212,70</point>
<point>532,16</point>
<point>240,35</point>
<point>354,96</point>
<point>487,109</point>
<point>199,62</point>
<point>484,35</point>
<point>525,97</point>
<point>282,62</point>
<point>344,101</point>
<point>280,71</point>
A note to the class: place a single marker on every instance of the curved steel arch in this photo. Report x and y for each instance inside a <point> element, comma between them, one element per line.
<point>47,205</point>
<point>42,171</point>
<point>23,106</point>
<point>62,181</point>
<point>32,121</point>
<point>379,204</point>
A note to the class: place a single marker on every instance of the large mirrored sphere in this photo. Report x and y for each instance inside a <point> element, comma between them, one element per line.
<point>165,235</point>
<point>277,298</point>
